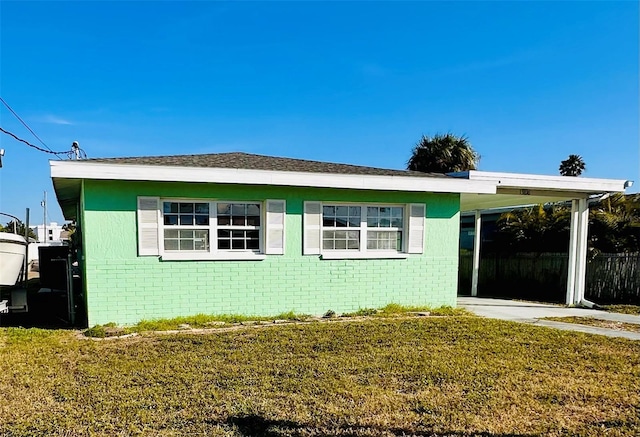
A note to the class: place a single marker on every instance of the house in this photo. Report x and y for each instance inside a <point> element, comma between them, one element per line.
<point>239,233</point>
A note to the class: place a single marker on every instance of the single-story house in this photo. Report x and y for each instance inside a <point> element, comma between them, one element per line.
<point>227,233</point>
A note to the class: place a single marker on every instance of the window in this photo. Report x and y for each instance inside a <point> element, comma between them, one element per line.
<point>362,228</point>
<point>184,229</point>
<point>188,226</point>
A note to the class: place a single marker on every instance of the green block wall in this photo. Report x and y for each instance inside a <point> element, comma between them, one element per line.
<point>124,288</point>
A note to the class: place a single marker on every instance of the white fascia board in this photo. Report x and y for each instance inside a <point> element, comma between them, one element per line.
<point>129,172</point>
<point>534,181</point>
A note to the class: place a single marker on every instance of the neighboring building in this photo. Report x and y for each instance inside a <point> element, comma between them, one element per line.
<point>49,233</point>
<point>238,233</point>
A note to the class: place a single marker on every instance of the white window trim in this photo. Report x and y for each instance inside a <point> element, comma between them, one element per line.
<point>363,252</point>
<point>213,253</point>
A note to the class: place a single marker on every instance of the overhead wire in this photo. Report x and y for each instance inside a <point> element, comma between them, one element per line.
<point>33,145</point>
<point>4,102</point>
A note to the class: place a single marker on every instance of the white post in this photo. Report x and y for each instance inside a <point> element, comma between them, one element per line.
<point>573,248</point>
<point>581,264</point>
<point>476,254</point>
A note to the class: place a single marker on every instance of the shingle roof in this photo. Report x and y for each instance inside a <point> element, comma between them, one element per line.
<point>260,162</point>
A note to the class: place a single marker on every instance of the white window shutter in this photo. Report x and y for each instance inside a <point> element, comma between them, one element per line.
<point>415,243</point>
<point>312,220</point>
<point>148,217</point>
<point>276,214</point>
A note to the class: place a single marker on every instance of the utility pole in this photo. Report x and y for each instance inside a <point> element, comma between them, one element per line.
<point>44,217</point>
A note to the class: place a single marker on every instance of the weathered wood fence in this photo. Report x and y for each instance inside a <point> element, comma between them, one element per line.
<point>611,278</point>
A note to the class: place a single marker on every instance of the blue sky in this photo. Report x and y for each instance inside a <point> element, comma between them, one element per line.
<point>358,82</point>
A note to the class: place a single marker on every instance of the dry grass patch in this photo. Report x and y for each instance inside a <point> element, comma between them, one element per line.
<point>598,323</point>
<point>624,309</point>
<point>377,377</point>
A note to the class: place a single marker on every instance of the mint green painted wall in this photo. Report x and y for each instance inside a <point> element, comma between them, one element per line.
<point>124,288</point>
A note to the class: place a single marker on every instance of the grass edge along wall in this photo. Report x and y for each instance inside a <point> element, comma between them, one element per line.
<point>123,287</point>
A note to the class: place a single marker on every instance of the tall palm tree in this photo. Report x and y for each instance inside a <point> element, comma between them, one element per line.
<point>572,166</point>
<point>443,154</point>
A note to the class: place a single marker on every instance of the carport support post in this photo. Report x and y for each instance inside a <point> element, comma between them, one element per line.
<point>573,242</point>
<point>476,253</point>
<point>581,262</point>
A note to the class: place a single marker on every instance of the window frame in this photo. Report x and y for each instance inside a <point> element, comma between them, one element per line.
<point>213,253</point>
<point>363,251</point>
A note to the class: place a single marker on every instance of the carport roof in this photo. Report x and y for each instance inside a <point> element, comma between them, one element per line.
<point>518,189</point>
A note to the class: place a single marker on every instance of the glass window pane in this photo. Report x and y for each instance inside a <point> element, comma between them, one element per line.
<point>170,220</point>
<point>253,209</point>
<point>327,244</point>
<point>201,233</point>
<point>224,221</point>
<point>372,222</point>
<point>340,235</point>
<point>170,207</point>
<point>396,222</point>
<point>342,210</point>
<point>341,244</point>
<point>399,241</point>
<point>372,244</point>
<point>224,209</point>
<point>170,244</point>
<point>223,233</point>
<point>237,234</point>
<point>186,208</point>
<point>253,244</point>
<point>329,235</point>
<point>186,234</point>
<point>200,245</point>
<point>237,221</point>
<point>385,212</point>
<point>238,209</point>
<point>341,221</point>
<point>224,244</point>
<point>372,211</point>
<point>170,233</point>
<point>329,210</point>
<point>328,222</point>
<point>186,244</point>
<point>186,220</point>
<point>354,211</point>
<point>253,235</point>
<point>354,222</point>
<point>385,222</point>
<point>253,221</point>
<point>202,220</point>
<point>202,208</point>
<point>396,212</point>
<point>237,244</point>
<point>353,244</point>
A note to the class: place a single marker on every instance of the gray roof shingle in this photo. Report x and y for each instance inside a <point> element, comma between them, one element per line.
<point>241,160</point>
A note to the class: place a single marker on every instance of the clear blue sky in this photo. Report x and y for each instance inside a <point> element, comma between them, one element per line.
<point>528,82</point>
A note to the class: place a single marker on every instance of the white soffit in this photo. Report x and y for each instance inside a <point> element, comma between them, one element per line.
<point>131,172</point>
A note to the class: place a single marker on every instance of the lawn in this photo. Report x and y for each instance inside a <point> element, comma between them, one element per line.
<point>453,376</point>
<point>598,323</point>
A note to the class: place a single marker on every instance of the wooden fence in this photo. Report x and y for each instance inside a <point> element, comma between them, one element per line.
<point>611,278</point>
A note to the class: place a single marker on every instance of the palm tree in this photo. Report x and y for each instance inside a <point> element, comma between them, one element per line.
<point>572,166</point>
<point>443,154</point>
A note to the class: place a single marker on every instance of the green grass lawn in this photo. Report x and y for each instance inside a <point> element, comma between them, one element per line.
<point>592,321</point>
<point>453,376</point>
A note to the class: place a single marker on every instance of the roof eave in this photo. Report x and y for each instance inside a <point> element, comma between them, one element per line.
<point>132,172</point>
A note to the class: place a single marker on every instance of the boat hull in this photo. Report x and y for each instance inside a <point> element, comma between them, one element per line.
<point>13,249</point>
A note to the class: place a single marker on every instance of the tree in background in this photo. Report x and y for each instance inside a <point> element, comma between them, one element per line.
<point>540,228</point>
<point>572,166</point>
<point>443,154</point>
<point>615,224</point>
<point>19,229</point>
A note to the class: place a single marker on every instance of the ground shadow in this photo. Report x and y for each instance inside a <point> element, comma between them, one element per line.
<point>254,425</point>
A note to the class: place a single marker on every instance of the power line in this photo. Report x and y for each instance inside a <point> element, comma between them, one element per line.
<point>34,146</point>
<point>25,124</point>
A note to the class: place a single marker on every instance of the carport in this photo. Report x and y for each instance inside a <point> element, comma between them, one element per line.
<point>518,189</point>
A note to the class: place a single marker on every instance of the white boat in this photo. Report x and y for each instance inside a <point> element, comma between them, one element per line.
<point>13,249</point>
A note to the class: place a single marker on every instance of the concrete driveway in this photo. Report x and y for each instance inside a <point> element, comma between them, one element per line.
<point>532,312</point>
